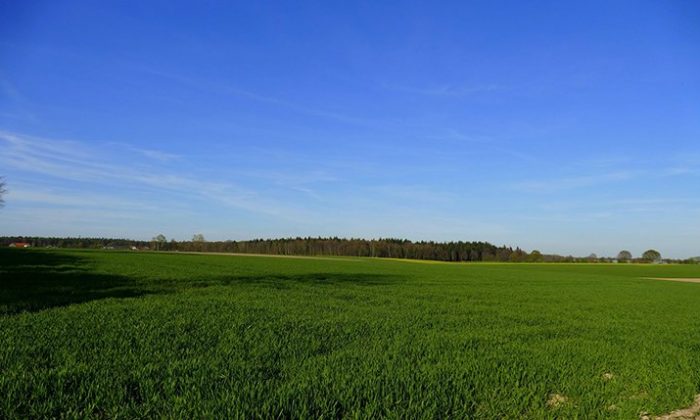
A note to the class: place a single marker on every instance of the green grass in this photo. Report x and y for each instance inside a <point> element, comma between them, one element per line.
<point>118,334</point>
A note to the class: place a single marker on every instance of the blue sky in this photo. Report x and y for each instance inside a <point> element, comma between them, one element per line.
<point>559,126</point>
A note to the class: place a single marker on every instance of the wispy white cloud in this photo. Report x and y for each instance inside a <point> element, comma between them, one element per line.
<point>556,184</point>
<point>681,169</point>
<point>152,154</point>
<point>295,179</point>
<point>605,207</point>
<point>615,170</point>
<point>20,103</point>
<point>70,160</point>
<point>228,89</point>
<point>454,135</point>
<point>29,193</point>
<point>158,155</point>
<point>446,90</point>
<point>415,194</point>
<point>488,144</point>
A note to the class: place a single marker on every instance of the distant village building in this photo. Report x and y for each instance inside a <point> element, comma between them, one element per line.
<point>20,245</point>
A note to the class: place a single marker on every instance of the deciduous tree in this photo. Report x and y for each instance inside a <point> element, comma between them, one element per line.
<point>651,255</point>
<point>158,241</point>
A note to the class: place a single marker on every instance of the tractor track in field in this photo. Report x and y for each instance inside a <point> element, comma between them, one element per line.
<point>679,279</point>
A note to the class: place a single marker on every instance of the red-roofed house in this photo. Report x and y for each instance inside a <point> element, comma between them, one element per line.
<point>20,245</point>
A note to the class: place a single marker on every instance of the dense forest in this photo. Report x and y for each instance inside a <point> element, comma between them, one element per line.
<point>381,248</point>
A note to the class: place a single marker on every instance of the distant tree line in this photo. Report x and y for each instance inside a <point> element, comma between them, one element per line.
<point>380,248</point>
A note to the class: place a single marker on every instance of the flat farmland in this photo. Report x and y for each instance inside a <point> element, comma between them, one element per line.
<point>128,335</point>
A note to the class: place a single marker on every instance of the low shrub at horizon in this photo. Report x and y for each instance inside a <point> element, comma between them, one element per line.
<point>123,334</point>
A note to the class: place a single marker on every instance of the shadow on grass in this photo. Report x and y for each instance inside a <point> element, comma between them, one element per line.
<point>34,280</point>
<point>284,281</point>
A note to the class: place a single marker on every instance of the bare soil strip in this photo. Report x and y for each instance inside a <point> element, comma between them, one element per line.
<point>685,280</point>
<point>689,413</point>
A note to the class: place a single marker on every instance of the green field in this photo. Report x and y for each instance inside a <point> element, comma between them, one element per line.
<point>121,334</point>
